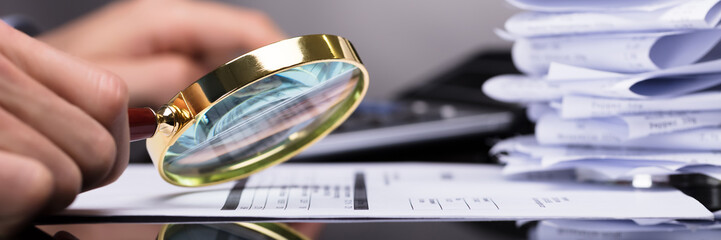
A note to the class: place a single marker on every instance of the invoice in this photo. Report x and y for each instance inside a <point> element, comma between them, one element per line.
<point>372,192</point>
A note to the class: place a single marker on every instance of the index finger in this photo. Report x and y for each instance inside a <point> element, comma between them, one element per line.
<point>99,93</point>
<point>82,84</point>
<point>208,27</point>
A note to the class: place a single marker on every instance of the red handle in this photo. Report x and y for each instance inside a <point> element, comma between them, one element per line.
<point>142,123</point>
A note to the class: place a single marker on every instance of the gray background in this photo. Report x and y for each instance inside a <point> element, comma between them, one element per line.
<point>402,42</point>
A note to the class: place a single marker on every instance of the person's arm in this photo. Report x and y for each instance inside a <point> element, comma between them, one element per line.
<point>160,46</point>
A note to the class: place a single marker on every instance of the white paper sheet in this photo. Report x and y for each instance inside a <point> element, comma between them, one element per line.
<point>699,14</point>
<point>550,155</point>
<point>521,88</point>
<point>622,53</point>
<point>592,5</point>
<point>641,86</point>
<point>535,111</point>
<point>559,72</point>
<point>629,127</point>
<point>368,192</point>
<point>606,171</point>
<point>521,166</point>
<point>576,106</point>
<point>647,124</point>
<point>551,129</point>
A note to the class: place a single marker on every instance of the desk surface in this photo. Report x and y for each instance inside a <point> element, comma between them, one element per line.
<point>351,231</point>
<point>405,230</point>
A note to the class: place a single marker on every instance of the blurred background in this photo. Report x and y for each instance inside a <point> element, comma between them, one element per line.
<point>402,43</point>
<point>427,62</point>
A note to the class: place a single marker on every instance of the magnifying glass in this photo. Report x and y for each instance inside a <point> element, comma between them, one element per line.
<point>229,231</point>
<point>253,112</point>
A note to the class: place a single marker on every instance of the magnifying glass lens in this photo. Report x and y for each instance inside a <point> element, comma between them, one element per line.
<point>267,120</point>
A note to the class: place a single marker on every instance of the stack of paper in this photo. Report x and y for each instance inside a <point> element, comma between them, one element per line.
<point>617,88</point>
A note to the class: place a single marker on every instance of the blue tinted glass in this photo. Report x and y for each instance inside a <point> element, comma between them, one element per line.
<point>261,116</point>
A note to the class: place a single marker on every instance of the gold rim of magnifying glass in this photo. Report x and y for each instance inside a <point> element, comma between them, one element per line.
<point>277,231</point>
<point>179,114</point>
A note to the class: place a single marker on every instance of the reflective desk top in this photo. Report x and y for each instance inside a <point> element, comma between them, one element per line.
<point>389,230</point>
<point>395,230</point>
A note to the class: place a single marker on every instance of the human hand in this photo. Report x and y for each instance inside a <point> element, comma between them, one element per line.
<point>64,128</point>
<point>159,47</point>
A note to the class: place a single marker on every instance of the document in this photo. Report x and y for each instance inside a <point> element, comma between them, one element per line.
<point>521,88</point>
<point>698,14</point>
<point>559,72</point>
<point>535,111</point>
<point>372,192</point>
<point>642,87</point>
<point>577,106</point>
<point>656,84</point>
<point>550,155</point>
<point>619,52</point>
<point>552,129</point>
<point>647,124</point>
<point>592,5</point>
<point>609,171</point>
<point>526,159</point>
